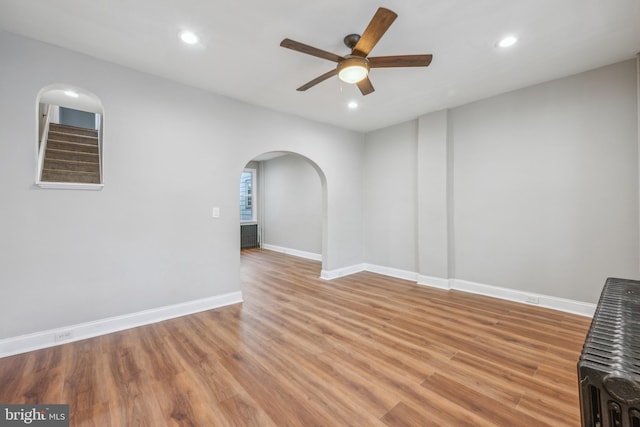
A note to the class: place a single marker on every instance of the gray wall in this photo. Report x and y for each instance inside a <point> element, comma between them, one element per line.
<point>390,197</point>
<point>434,196</point>
<point>546,185</point>
<point>534,190</point>
<point>147,240</point>
<point>292,201</point>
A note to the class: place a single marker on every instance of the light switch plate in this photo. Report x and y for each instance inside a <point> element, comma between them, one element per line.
<point>215,212</point>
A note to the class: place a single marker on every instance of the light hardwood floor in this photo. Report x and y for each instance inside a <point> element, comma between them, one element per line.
<point>365,350</point>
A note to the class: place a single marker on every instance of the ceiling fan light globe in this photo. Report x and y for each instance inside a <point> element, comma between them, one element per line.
<point>353,69</point>
<point>353,74</point>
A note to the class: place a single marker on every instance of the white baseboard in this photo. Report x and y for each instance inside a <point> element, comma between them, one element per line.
<point>434,282</point>
<point>44,339</point>
<point>341,272</point>
<point>547,301</point>
<point>357,268</point>
<point>293,252</point>
<point>392,272</point>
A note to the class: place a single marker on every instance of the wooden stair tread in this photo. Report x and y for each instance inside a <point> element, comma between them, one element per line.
<point>82,139</point>
<point>70,161</point>
<point>63,125</point>
<point>72,146</point>
<point>57,150</point>
<point>68,171</point>
<point>56,127</point>
<point>73,134</point>
<point>73,176</point>
<point>64,141</point>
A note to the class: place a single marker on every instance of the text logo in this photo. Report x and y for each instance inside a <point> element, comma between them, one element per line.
<point>34,415</point>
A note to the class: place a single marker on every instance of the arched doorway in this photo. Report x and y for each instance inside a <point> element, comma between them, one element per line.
<point>283,202</point>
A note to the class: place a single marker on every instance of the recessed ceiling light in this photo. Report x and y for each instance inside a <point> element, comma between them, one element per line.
<point>352,105</point>
<point>507,41</point>
<point>71,94</point>
<point>189,37</point>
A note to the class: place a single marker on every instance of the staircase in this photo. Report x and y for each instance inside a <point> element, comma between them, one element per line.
<point>72,155</point>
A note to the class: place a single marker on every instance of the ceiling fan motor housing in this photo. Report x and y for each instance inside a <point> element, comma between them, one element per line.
<point>351,40</point>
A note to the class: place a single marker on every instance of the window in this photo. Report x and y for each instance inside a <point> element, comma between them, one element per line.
<point>247,196</point>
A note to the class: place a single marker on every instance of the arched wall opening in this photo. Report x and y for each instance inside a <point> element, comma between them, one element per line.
<point>69,138</point>
<point>290,198</point>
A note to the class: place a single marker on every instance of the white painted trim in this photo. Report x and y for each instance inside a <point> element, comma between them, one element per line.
<point>342,272</point>
<point>44,339</point>
<point>434,282</point>
<point>69,186</point>
<point>392,272</point>
<point>42,142</point>
<point>547,301</point>
<point>293,252</point>
<point>385,271</point>
<point>555,303</point>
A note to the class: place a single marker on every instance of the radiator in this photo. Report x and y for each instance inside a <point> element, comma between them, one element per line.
<point>609,367</point>
<point>249,237</point>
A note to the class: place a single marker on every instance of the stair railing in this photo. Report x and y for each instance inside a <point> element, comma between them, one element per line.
<point>42,148</point>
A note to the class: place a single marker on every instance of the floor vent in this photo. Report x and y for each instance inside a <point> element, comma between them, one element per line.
<point>249,236</point>
<point>609,367</point>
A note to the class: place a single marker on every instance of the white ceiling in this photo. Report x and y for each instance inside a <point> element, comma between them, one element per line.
<point>239,55</point>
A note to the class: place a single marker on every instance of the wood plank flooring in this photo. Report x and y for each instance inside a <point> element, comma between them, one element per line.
<point>365,350</point>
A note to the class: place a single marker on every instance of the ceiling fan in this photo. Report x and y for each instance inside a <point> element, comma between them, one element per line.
<point>354,68</point>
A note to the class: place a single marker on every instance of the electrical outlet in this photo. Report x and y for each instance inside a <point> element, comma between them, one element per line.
<point>532,299</point>
<point>63,335</point>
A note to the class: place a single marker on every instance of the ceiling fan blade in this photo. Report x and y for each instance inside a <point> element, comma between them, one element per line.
<point>400,61</point>
<point>310,50</point>
<point>379,24</point>
<point>317,80</point>
<point>365,86</point>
